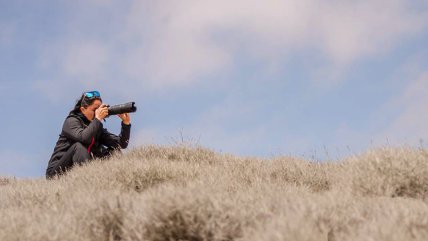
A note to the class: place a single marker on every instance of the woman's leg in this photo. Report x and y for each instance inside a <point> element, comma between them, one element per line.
<point>76,154</point>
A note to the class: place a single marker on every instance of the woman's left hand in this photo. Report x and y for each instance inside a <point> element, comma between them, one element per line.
<point>126,118</point>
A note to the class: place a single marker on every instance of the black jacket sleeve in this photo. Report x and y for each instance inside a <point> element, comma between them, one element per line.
<point>113,141</point>
<point>74,130</point>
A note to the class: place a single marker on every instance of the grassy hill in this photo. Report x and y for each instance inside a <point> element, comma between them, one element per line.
<point>191,193</point>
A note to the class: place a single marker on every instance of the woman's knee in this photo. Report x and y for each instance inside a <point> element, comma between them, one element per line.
<point>80,149</point>
<point>79,146</point>
<point>81,153</point>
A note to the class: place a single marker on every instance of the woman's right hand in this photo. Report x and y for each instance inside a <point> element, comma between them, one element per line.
<point>101,112</point>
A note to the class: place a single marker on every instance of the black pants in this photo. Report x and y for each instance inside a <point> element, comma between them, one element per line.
<point>76,155</point>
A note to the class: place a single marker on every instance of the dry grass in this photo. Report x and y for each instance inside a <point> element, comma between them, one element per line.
<point>191,193</point>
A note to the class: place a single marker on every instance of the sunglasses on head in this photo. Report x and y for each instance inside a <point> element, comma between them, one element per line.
<point>92,94</point>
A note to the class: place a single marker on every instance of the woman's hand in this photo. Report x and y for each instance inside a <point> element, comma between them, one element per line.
<point>101,112</point>
<point>126,118</point>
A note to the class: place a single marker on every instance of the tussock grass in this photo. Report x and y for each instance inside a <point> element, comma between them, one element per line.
<point>6,180</point>
<point>191,193</point>
<point>392,173</point>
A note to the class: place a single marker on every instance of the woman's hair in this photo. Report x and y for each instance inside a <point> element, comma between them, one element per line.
<point>83,101</point>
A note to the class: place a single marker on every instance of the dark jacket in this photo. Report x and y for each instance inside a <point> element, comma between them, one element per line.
<point>77,128</point>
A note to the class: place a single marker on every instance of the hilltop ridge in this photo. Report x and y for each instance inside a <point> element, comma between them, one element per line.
<point>193,193</point>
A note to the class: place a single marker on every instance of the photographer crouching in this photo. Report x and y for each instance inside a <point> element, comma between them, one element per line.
<point>83,137</point>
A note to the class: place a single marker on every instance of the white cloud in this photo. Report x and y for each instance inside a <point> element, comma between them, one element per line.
<point>165,44</point>
<point>355,29</point>
<point>87,59</point>
<point>57,90</point>
<point>74,66</point>
<point>82,59</point>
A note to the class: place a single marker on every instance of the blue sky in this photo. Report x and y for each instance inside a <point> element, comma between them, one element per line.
<point>321,79</point>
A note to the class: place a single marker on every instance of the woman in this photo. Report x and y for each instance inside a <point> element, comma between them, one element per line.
<point>83,136</point>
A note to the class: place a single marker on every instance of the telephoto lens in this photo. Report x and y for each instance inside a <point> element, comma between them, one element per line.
<point>122,108</point>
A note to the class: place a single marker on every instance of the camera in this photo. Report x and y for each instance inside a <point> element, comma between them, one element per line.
<point>122,108</point>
